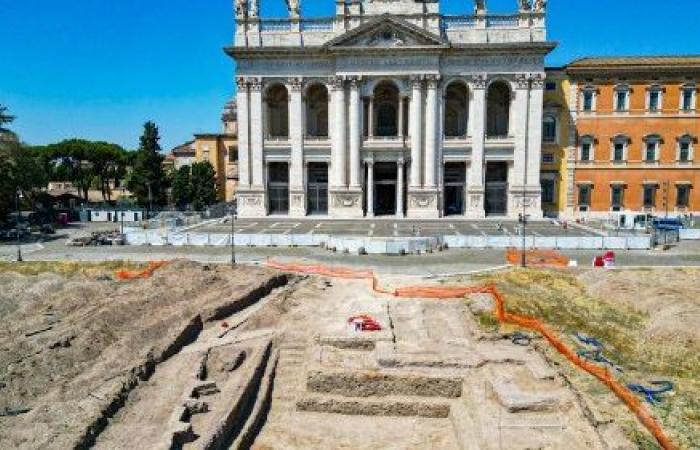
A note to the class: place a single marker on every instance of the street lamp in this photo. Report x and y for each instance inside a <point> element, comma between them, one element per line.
<point>19,245</point>
<point>122,224</point>
<point>233,236</point>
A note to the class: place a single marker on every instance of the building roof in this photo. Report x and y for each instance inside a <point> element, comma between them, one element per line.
<point>183,150</point>
<point>689,64</point>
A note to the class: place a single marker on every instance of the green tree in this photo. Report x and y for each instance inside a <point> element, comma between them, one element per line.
<point>20,168</point>
<point>204,192</point>
<point>72,160</point>
<point>147,181</point>
<point>182,187</point>
<point>5,119</point>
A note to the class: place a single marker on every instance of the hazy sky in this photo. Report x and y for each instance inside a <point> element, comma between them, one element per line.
<point>99,69</point>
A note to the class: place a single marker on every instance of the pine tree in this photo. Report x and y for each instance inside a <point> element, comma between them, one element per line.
<point>148,182</point>
<point>204,192</point>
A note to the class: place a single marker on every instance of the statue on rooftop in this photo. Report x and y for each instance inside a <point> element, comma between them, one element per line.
<point>540,5</point>
<point>480,6</point>
<point>241,8</point>
<point>525,5</point>
<point>294,7</point>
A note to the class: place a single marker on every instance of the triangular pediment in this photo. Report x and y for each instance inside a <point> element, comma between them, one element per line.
<point>386,32</point>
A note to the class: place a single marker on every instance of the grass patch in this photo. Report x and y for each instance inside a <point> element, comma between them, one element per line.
<point>68,269</point>
<point>560,300</point>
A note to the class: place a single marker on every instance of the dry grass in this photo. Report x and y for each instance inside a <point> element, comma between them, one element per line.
<point>562,300</point>
<point>68,269</point>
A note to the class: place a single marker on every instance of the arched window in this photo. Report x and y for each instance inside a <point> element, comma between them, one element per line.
<point>456,110</point>
<point>549,128</point>
<point>317,111</point>
<point>277,117</point>
<point>498,110</point>
<point>386,109</point>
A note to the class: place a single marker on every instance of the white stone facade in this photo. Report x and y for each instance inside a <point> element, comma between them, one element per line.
<point>390,108</point>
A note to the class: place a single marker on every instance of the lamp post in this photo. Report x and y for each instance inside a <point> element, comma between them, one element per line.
<point>233,236</point>
<point>17,231</point>
<point>121,231</point>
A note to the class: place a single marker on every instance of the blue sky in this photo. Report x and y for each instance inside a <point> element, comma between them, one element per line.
<point>98,69</point>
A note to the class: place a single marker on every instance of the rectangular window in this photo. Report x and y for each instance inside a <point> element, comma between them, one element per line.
<point>588,101</point>
<point>547,158</point>
<point>551,86</point>
<point>683,196</point>
<point>654,101</point>
<point>688,100</point>
<point>621,102</point>
<point>586,152</point>
<point>232,154</point>
<point>547,191</point>
<point>617,196</point>
<point>650,155</point>
<point>550,129</point>
<point>684,153</point>
<point>619,152</point>
<point>649,196</point>
<point>584,195</point>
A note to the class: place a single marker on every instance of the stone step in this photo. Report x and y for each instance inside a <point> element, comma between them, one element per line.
<point>516,399</point>
<point>392,406</point>
<point>382,384</point>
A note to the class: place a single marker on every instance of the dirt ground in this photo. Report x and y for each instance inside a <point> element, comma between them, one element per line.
<point>647,320</point>
<point>73,345</point>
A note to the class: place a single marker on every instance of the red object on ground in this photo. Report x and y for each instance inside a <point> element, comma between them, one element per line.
<point>224,324</point>
<point>365,323</point>
<point>609,257</point>
<point>598,261</point>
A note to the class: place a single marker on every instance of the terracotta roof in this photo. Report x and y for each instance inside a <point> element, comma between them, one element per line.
<point>184,149</point>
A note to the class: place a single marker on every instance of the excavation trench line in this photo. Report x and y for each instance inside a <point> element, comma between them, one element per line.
<point>632,402</point>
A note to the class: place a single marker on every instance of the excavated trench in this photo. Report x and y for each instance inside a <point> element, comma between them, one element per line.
<point>238,418</point>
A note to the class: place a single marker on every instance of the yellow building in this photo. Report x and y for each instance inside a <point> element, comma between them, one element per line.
<point>559,141</point>
<point>221,150</point>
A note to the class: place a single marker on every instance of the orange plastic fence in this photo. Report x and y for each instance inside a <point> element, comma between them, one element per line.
<point>537,258</point>
<point>531,323</point>
<point>126,275</point>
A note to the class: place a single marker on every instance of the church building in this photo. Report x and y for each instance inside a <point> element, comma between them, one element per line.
<point>390,108</point>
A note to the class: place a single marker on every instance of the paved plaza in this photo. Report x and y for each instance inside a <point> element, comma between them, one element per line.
<point>398,228</point>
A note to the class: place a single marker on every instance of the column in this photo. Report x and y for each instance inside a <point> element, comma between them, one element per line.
<point>534,153</point>
<point>338,149</point>
<point>416,130</point>
<point>370,188</point>
<point>399,188</point>
<point>431,127</point>
<point>256,133</point>
<point>355,135</point>
<point>297,197</point>
<point>475,179</point>
<point>400,127</point>
<point>370,117</point>
<point>243,133</point>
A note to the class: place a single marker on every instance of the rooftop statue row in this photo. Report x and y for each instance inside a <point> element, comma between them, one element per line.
<point>249,9</point>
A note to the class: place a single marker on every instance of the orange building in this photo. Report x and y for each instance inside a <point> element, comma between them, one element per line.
<point>637,127</point>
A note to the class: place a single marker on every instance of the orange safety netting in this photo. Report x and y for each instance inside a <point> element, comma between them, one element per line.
<point>530,323</point>
<point>537,258</point>
<point>126,275</point>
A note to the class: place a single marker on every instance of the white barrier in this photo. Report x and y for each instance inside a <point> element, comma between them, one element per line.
<point>690,234</point>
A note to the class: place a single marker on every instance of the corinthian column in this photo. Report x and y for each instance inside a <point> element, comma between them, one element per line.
<point>297,199</point>
<point>355,134</point>
<point>256,132</point>
<point>475,189</point>
<point>243,133</point>
<point>416,130</point>
<point>338,150</point>
<point>431,127</point>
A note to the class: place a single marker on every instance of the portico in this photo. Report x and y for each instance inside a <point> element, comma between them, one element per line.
<point>386,114</point>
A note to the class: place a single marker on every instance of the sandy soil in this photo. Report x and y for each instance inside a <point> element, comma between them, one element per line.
<point>70,348</point>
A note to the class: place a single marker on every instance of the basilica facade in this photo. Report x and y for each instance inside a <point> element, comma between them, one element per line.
<point>390,109</point>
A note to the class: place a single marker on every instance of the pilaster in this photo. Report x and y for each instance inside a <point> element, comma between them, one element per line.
<point>475,181</point>
<point>252,197</point>
<point>297,193</point>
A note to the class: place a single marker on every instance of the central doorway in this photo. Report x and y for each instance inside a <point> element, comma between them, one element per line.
<point>496,202</point>
<point>278,188</point>
<point>385,176</point>
<point>317,189</point>
<point>455,187</point>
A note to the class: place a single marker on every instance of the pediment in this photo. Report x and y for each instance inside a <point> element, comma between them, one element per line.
<point>386,32</point>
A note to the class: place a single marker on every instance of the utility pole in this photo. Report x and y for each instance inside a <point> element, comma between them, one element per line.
<point>17,231</point>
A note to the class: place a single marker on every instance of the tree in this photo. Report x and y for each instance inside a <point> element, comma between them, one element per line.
<point>204,192</point>
<point>5,119</point>
<point>147,181</point>
<point>20,168</point>
<point>72,162</point>
<point>182,187</point>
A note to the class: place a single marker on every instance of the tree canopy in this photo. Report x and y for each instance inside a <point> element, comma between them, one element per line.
<point>147,181</point>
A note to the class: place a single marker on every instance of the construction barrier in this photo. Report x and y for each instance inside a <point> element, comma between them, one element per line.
<point>446,292</point>
<point>127,275</point>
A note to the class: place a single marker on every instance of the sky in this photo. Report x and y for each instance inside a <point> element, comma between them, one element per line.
<point>99,69</point>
